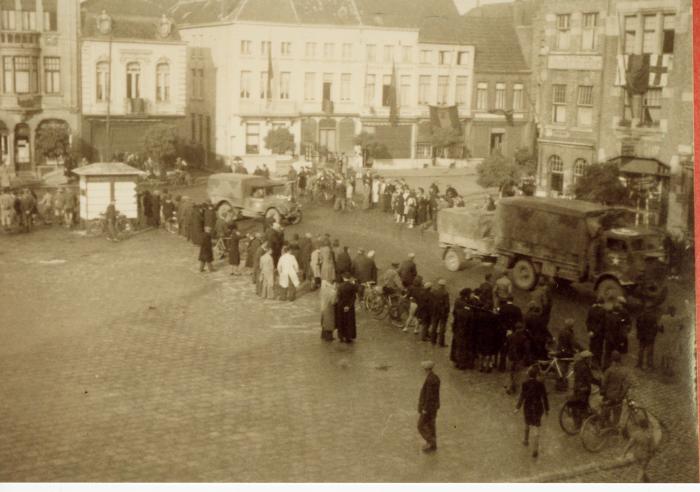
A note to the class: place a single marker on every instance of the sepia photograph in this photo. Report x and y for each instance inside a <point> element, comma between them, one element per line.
<point>347,241</point>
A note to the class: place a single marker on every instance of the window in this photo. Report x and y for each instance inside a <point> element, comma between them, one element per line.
<point>286,48</point>
<point>482,96</point>
<point>556,173</point>
<point>649,43</point>
<point>669,26</point>
<point>579,168</point>
<point>500,102</point>
<point>328,51</point>
<point>563,26</point>
<point>651,107</point>
<point>263,86</point>
<point>245,85</point>
<point>327,87</point>
<point>517,97</point>
<point>133,80</point>
<point>463,58</point>
<point>50,23</point>
<point>559,103</point>
<point>443,89</point>
<point>445,57</point>
<point>388,54</point>
<point>584,102</point>
<point>371,52</point>
<point>424,89</point>
<point>310,50</point>
<point>28,20</point>
<point>252,138</point>
<point>102,79</point>
<point>424,151</point>
<point>246,47</point>
<point>309,86</point>
<point>52,74</point>
<point>26,75</point>
<point>265,47</point>
<point>163,82</point>
<point>347,51</point>
<point>9,20</point>
<point>370,89</point>
<point>200,82</point>
<point>406,54</point>
<point>7,71</point>
<point>386,90</point>
<point>345,80</point>
<point>589,39</point>
<point>461,90</point>
<point>284,84</point>
<point>631,24</point>
<point>426,56</point>
<point>405,92</point>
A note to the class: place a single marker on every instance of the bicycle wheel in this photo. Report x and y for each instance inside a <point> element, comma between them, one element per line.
<point>376,305</point>
<point>566,419</point>
<point>398,313</point>
<point>594,434</point>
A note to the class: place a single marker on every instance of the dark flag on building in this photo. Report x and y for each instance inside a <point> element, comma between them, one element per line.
<point>638,74</point>
<point>444,117</point>
<point>269,72</point>
<point>393,103</point>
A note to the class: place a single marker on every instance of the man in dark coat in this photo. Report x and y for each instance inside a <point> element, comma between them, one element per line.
<point>537,331</point>
<point>408,270</point>
<point>196,225</point>
<point>647,328</point>
<point>508,315</point>
<point>424,301</point>
<point>305,248</point>
<point>583,379</point>
<point>209,216</point>
<point>485,291</point>
<point>253,245</point>
<point>533,399</point>
<point>518,355</point>
<point>345,310</point>
<point>595,323</point>
<point>147,208</point>
<point>428,406</point>
<point>155,209</point>
<point>363,267</point>
<point>275,240</point>
<point>462,317</point>
<point>206,253</point>
<point>440,312</point>
<point>343,263</point>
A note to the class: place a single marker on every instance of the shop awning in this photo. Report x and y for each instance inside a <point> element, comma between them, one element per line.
<point>643,166</point>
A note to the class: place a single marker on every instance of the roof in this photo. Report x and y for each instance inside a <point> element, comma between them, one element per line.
<point>108,169</point>
<point>559,205</point>
<point>497,48</point>
<point>131,19</point>
<point>641,165</point>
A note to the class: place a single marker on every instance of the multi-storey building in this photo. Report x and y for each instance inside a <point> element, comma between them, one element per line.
<point>324,70</point>
<point>39,56</point>
<point>585,54</point>
<point>133,74</point>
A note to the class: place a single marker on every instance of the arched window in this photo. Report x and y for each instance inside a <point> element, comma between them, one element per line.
<point>579,168</point>
<point>133,80</point>
<point>162,82</point>
<point>556,173</point>
<point>102,81</point>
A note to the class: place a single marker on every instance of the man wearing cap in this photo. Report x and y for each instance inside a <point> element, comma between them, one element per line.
<point>390,281</point>
<point>305,249</point>
<point>616,383</point>
<point>428,405</point>
<point>408,271</point>
<point>583,379</point>
<point>364,270</point>
<point>440,300</point>
<point>345,310</point>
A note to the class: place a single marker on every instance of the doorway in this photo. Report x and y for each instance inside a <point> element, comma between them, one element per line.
<point>496,144</point>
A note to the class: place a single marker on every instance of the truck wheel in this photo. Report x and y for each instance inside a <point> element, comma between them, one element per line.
<point>609,289</point>
<point>524,275</point>
<point>294,219</point>
<point>226,212</point>
<point>454,259</point>
<point>274,215</point>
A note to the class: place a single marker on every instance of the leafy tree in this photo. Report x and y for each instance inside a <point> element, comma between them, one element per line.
<point>526,161</point>
<point>444,139</point>
<point>496,170</point>
<point>52,141</point>
<point>373,148</point>
<point>280,141</point>
<point>601,183</point>
<point>161,146</point>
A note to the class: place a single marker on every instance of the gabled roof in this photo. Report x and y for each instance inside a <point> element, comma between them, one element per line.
<point>497,48</point>
<point>131,19</point>
<point>108,169</point>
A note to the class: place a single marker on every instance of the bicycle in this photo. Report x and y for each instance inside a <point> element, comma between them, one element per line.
<point>552,366</point>
<point>567,415</point>
<point>597,429</point>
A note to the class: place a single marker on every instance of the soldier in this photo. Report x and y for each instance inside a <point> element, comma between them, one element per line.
<point>428,405</point>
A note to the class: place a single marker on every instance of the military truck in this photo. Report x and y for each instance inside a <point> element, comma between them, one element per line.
<point>245,195</point>
<point>465,233</point>
<point>578,241</point>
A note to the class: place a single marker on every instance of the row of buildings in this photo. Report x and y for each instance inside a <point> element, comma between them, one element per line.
<point>552,76</point>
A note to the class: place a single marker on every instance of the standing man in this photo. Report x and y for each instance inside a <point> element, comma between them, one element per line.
<point>408,270</point>
<point>288,270</point>
<point>533,399</point>
<point>428,405</point>
<point>595,323</point>
<point>647,327</point>
<point>502,290</point>
<point>441,310</point>
<point>111,220</point>
<point>345,310</point>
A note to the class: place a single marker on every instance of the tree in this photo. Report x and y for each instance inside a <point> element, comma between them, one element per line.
<point>496,170</point>
<point>526,161</point>
<point>52,140</point>
<point>161,146</point>
<point>279,141</point>
<point>371,148</point>
<point>444,139</point>
<point>601,183</point>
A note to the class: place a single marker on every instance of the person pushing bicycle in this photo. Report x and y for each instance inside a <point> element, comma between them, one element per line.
<point>583,381</point>
<point>616,383</point>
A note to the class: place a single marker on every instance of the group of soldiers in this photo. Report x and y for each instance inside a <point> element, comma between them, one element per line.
<point>21,210</point>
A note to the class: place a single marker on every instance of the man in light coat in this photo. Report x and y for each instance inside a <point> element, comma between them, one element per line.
<point>288,269</point>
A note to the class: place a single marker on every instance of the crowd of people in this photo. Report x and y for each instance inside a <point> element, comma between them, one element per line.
<point>21,210</point>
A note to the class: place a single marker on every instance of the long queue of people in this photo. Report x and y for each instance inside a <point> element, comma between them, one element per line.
<point>21,210</point>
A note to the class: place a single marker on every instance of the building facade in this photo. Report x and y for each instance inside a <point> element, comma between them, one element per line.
<point>39,56</point>
<point>324,71</point>
<point>133,76</point>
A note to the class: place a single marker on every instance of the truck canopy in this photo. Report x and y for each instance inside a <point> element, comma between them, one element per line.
<point>238,186</point>
<point>470,228</point>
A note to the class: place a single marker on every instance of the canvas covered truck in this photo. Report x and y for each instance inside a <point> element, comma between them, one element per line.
<point>578,241</point>
<point>465,233</point>
<point>245,195</point>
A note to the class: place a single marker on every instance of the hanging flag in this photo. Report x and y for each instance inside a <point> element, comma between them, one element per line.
<point>270,74</point>
<point>659,67</point>
<point>393,103</point>
<point>444,117</point>
<point>637,74</point>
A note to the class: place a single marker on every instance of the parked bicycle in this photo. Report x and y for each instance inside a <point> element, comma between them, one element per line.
<point>598,429</point>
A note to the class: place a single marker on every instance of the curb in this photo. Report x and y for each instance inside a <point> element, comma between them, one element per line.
<point>576,471</point>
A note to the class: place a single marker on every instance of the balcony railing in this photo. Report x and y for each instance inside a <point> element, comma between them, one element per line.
<point>20,39</point>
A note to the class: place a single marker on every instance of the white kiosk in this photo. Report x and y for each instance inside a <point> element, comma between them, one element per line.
<point>105,181</point>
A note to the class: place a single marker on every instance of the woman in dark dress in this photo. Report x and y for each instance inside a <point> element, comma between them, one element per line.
<point>422,210</point>
<point>461,317</point>
<point>234,254</point>
<point>206,253</point>
<point>533,400</point>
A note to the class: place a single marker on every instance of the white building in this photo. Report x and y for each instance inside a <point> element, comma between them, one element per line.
<point>133,74</point>
<point>332,65</point>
